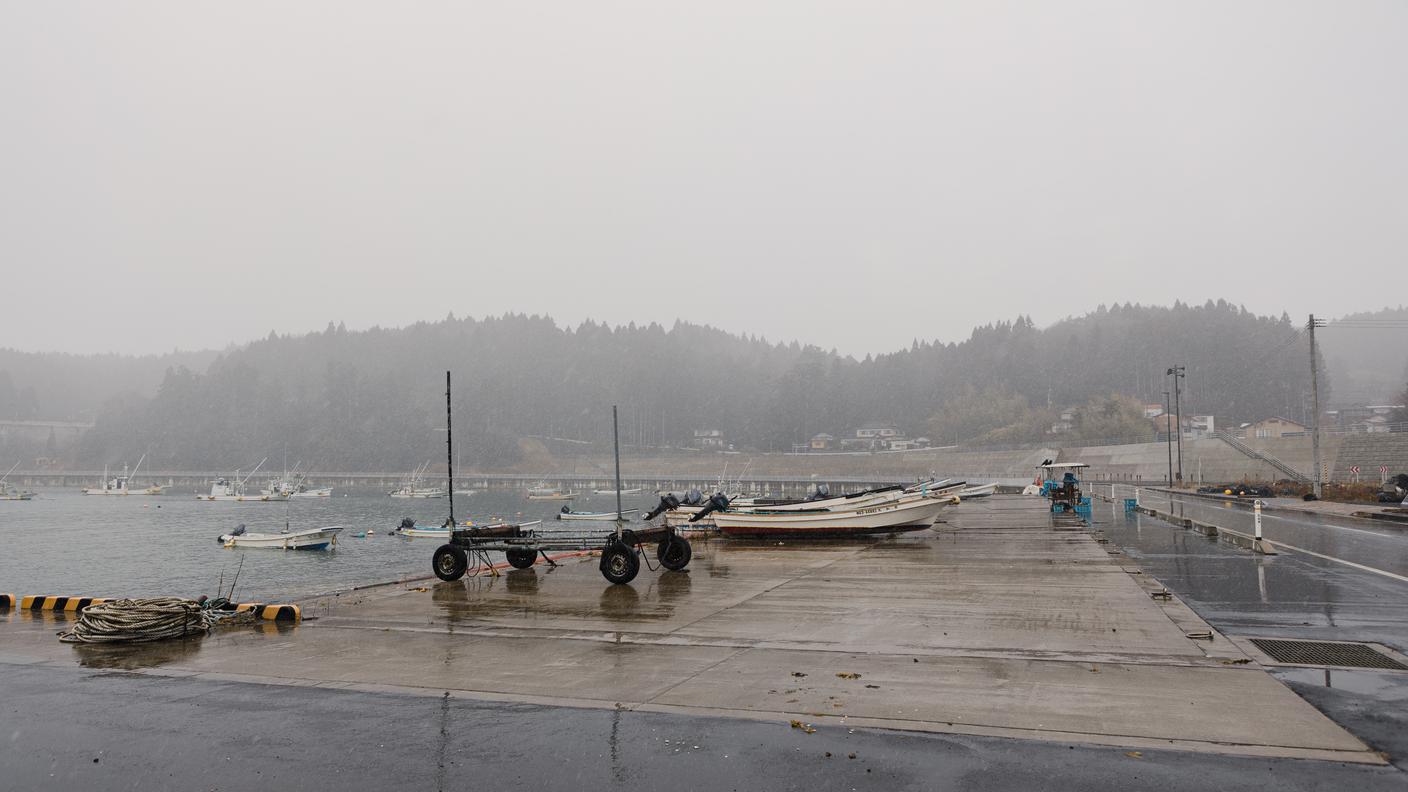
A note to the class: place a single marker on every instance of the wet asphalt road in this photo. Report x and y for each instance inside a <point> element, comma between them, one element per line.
<point>70,729</point>
<point>1290,595</point>
<point>1381,546</point>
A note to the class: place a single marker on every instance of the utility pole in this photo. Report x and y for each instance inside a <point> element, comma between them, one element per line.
<point>1177,373</point>
<point>1168,439</point>
<point>1317,485</point>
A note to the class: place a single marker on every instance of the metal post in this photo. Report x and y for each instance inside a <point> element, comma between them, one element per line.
<point>616,446</point>
<point>1256,518</point>
<point>1177,372</point>
<point>1317,486</point>
<point>1136,496</point>
<point>1168,437</point>
<point>449,451</point>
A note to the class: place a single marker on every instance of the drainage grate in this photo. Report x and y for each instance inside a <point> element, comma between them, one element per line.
<point>1324,653</point>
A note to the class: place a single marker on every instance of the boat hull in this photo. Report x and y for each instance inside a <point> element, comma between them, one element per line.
<point>315,539</point>
<point>597,516</point>
<point>914,514</point>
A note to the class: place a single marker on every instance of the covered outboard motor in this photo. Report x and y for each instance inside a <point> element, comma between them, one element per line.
<point>406,522</point>
<point>239,530</point>
<point>718,502</point>
<point>819,492</point>
<point>693,498</point>
<point>566,509</point>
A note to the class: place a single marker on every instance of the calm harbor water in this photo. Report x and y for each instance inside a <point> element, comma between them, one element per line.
<point>67,543</point>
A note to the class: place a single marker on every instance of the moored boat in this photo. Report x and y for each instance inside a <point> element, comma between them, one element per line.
<point>630,491</point>
<point>568,514</point>
<point>122,485</point>
<point>414,486</point>
<point>307,539</point>
<point>8,493</point>
<point>980,491</point>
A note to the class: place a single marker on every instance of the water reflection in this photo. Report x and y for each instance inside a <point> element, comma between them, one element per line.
<point>134,656</point>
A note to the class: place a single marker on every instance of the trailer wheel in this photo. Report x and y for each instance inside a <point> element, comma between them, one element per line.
<point>449,562</point>
<point>619,563</point>
<point>520,558</point>
<point>674,553</point>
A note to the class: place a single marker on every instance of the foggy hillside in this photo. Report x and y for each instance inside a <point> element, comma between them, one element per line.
<point>374,399</point>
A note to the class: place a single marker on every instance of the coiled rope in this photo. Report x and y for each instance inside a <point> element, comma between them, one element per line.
<point>153,619</point>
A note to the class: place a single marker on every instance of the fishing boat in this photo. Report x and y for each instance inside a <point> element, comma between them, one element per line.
<point>568,514</point>
<point>122,485</point>
<point>914,512</point>
<point>11,493</point>
<point>544,492</point>
<point>414,486</point>
<point>307,539</point>
<point>233,489</point>
<point>304,491</point>
<point>631,491</point>
<point>980,491</point>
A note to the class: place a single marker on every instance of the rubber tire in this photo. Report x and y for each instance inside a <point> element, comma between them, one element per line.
<point>674,553</point>
<point>520,558</point>
<point>449,562</point>
<point>619,564</point>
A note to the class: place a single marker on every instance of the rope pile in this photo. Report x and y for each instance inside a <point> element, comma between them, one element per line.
<point>153,619</point>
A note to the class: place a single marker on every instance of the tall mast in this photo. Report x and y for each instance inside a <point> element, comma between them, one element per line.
<point>449,451</point>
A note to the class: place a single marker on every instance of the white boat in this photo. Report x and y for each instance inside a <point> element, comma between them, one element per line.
<point>233,489</point>
<point>980,491</point>
<point>414,486</point>
<point>915,512</point>
<point>631,491</point>
<point>122,485</point>
<point>466,492</point>
<point>568,514</point>
<point>312,492</point>
<point>443,532</point>
<point>8,493</point>
<point>307,539</point>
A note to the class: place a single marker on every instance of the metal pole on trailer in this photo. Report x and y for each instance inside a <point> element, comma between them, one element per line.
<point>449,452</point>
<point>616,447</point>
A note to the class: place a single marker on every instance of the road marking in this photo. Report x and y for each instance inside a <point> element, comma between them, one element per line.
<point>1338,560</point>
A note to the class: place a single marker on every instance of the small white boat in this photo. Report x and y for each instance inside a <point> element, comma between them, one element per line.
<point>466,492</point>
<point>307,539</point>
<point>980,491</point>
<point>912,513</point>
<point>443,532</point>
<point>568,514</point>
<point>122,485</point>
<point>312,492</point>
<point>631,491</point>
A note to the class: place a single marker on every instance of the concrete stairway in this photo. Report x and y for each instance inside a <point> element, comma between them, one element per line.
<point>1290,472</point>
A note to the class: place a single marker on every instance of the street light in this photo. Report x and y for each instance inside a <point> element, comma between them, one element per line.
<point>1168,439</point>
<point>1177,373</point>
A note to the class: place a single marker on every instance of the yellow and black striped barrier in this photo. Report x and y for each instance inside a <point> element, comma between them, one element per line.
<point>271,612</point>
<point>8,601</point>
<point>42,602</point>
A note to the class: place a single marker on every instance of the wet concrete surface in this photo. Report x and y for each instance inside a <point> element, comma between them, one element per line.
<point>994,627</point>
<point>1290,595</point>
<point>111,730</point>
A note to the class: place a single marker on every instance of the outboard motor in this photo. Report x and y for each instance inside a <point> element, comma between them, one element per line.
<point>239,530</point>
<point>406,522</point>
<point>821,492</point>
<point>693,498</point>
<point>668,501</point>
<point>565,509</point>
<point>718,502</point>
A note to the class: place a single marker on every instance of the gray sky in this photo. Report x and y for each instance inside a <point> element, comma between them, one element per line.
<point>849,174</point>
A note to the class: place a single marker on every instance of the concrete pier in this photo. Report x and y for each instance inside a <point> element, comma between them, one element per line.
<point>995,624</point>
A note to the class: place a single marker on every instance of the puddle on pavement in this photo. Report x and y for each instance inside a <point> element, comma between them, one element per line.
<point>1386,686</point>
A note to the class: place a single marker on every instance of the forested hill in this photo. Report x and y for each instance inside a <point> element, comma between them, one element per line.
<point>375,399</point>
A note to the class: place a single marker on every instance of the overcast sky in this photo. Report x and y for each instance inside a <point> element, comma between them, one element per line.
<point>856,175</point>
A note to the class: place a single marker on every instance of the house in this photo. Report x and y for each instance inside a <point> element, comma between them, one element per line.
<point>1275,427</point>
<point>1374,424</point>
<point>1201,426</point>
<point>821,442</point>
<point>709,439</point>
<point>1373,418</point>
<point>1153,410</point>
<point>1066,422</point>
<point>875,436</point>
<point>877,430</point>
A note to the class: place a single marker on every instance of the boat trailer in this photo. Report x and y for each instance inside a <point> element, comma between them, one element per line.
<point>621,550</point>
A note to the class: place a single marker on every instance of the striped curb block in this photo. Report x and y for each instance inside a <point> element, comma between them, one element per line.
<point>271,612</point>
<point>48,602</point>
